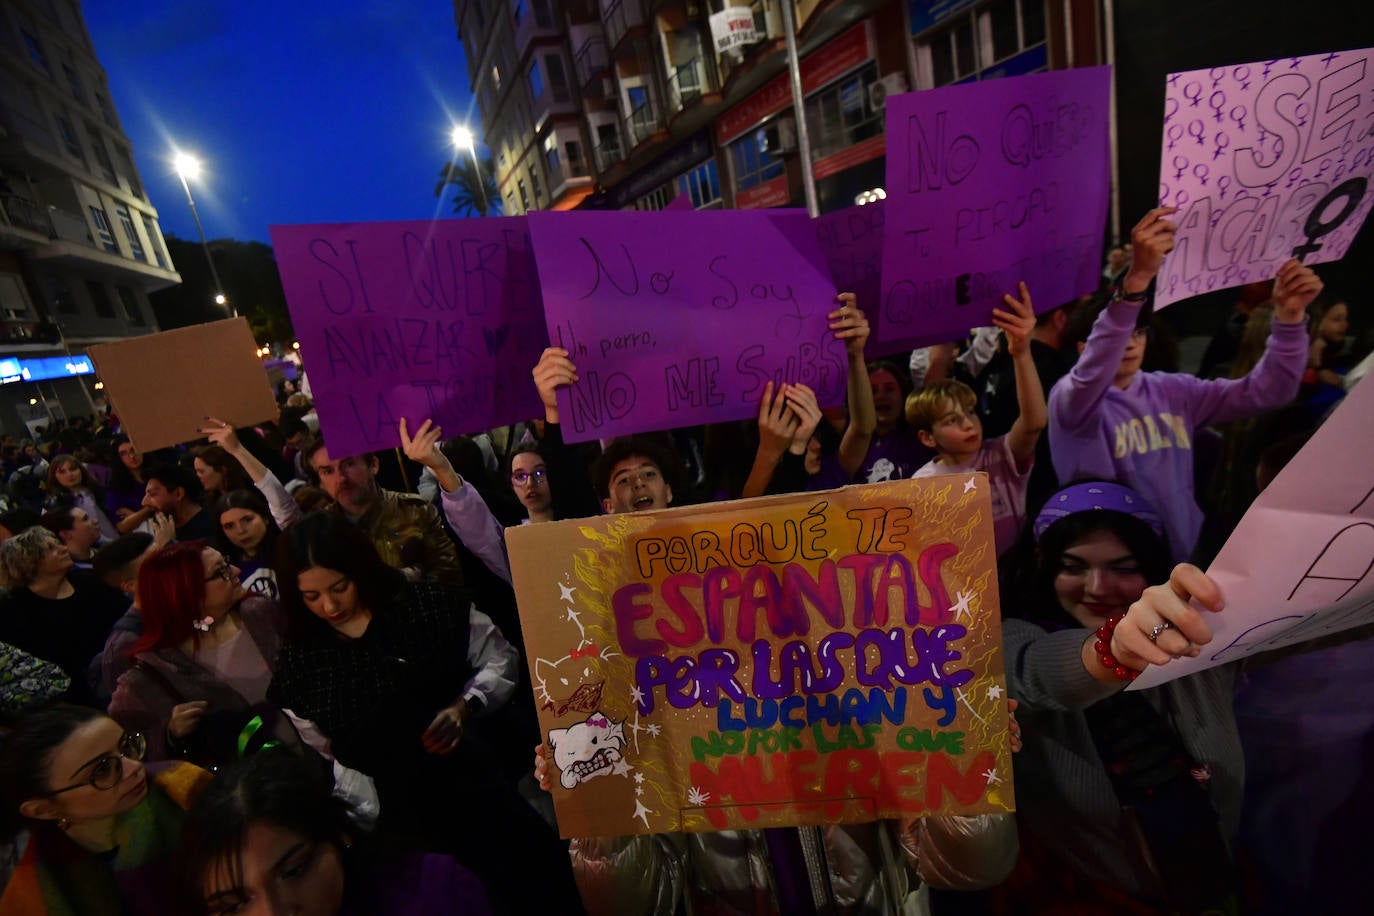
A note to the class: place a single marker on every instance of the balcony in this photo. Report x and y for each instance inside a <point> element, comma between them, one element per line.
<point>643,122</point>
<point>687,84</point>
<point>536,21</point>
<point>590,61</point>
<point>621,18</point>
<point>21,213</point>
<point>607,155</point>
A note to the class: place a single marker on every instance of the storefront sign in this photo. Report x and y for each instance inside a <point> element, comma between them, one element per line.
<point>819,68</point>
<point>773,193</point>
<point>927,14</point>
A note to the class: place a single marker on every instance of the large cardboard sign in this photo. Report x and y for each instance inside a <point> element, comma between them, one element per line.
<point>804,659</point>
<point>438,320</point>
<point>1300,565</point>
<point>1266,161</point>
<point>989,184</point>
<point>163,386</point>
<point>675,319</point>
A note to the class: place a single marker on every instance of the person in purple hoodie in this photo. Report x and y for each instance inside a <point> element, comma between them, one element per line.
<point>266,836</point>
<point>1110,421</point>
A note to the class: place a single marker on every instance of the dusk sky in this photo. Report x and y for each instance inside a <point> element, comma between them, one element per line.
<point>301,111</point>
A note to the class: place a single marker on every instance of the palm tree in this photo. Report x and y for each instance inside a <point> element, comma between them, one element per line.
<point>470,180</point>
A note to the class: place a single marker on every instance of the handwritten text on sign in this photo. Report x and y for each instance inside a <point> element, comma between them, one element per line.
<point>806,659</point>
<point>989,184</point>
<point>1265,161</point>
<point>674,319</point>
<point>852,241</point>
<point>418,319</point>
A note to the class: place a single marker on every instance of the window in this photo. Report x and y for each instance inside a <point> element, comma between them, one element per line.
<point>577,164</point>
<point>608,138</point>
<point>150,228</point>
<point>14,298</point>
<point>839,115</point>
<point>130,173</point>
<point>536,81</point>
<point>102,228</point>
<point>132,313</point>
<point>702,184</point>
<point>518,12</point>
<point>752,165</point>
<point>74,81</point>
<point>131,233</point>
<point>73,145</point>
<point>535,186</point>
<point>656,199</point>
<point>496,77</point>
<point>551,155</point>
<point>542,16</point>
<point>558,77</point>
<point>100,298</point>
<point>35,51</point>
<point>524,193</point>
<point>103,103</point>
<point>102,154</point>
<point>980,44</point>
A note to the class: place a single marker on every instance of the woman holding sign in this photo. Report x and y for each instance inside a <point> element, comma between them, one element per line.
<point>1129,799</point>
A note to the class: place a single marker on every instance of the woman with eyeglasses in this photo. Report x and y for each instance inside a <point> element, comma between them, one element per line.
<point>529,478</point>
<point>198,684</point>
<point>103,828</point>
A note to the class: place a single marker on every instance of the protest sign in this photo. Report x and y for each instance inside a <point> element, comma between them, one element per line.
<point>804,659</point>
<point>163,386</point>
<point>852,242</point>
<point>438,320</point>
<point>989,184</point>
<point>675,319</point>
<point>1300,564</point>
<point>1266,161</point>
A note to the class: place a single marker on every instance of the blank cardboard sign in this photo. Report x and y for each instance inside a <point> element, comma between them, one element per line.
<point>163,386</point>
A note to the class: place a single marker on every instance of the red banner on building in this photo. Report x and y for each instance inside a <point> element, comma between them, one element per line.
<point>826,64</point>
<point>773,193</point>
<point>849,157</point>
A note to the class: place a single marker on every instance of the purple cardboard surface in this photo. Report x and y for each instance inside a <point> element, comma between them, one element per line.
<point>852,242</point>
<point>1265,161</point>
<point>675,319</point>
<point>989,184</point>
<point>439,320</point>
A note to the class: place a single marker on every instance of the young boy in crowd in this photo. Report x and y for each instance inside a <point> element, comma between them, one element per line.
<point>945,418</point>
<point>1110,421</point>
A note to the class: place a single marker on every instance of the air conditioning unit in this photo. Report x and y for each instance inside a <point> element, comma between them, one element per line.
<point>892,84</point>
<point>780,137</point>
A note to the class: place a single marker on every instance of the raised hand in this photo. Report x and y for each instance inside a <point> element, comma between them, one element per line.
<point>220,433</point>
<point>777,424</point>
<point>850,325</point>
<point>1151,239</point>
<point>1019,322</point>
<point>554,370</point>
<point>1295,287</point>
<point>1166,611</point>
<point>424,447</point>
<point>801,400</point>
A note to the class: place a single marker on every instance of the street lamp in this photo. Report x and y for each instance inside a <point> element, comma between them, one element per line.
<point>188,166</point>
<point>463,139</point>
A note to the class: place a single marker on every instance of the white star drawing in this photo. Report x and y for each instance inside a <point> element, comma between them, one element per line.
<point>991,776</point>
<point>971,484</point>
<point>963,699</point>
<point>961,606</point>
<point>639,777</point>
<point>639,790</point>
<point>653,728</point>
<point>566,592</point>
<point>696,797</point>
<point>621,768</point>
<point>636,695</point>
<point>995,692</point>
<point>642,813</point>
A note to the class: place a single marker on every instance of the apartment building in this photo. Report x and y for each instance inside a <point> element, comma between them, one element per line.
<point>80,245</point>
<point>615,104</point>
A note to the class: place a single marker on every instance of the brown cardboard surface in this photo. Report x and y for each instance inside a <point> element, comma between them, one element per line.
<point>162,386</point>
<point>794,660</point>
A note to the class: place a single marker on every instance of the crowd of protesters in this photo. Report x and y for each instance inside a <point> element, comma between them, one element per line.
<point>249,675</point>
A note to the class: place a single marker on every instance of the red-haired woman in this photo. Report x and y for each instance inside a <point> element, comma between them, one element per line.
<point>201,667</point>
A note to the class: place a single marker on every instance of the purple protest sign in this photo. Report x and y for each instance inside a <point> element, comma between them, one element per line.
<point>989,184</point>
<point>438,320</point>
<point>1265,161</point>
<point>852,242</point>
<point>675,319</point>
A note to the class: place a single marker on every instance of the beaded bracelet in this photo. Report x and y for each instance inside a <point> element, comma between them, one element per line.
<point>1104,650</point>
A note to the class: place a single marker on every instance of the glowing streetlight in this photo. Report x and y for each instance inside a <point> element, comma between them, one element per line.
<point>463,139</point>
<point>188,166</point>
